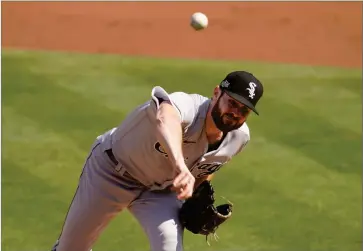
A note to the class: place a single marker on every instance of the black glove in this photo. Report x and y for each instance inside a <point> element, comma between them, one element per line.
<point>198,213</point>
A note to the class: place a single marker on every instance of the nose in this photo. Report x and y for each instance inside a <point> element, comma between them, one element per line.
<point>236,112</point>
<point>233,115</point>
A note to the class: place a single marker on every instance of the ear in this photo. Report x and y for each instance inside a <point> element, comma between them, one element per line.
<point>216,92</point>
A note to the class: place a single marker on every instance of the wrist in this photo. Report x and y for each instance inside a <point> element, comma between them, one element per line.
<point>180,164</point>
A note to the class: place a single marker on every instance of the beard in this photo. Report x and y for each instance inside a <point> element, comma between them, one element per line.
<point>224,122</point>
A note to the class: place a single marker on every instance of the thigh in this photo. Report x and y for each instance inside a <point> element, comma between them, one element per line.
<point>88,215</point>
<point>98,199</point>
<point>157,213</point>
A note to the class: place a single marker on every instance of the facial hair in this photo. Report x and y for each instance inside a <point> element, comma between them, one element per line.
<point>217,117</point>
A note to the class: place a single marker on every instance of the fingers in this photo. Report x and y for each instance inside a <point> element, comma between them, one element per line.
<point>181,180</point>
<point>181,192</point>
<point>184,184</point>
<point>185,193</point>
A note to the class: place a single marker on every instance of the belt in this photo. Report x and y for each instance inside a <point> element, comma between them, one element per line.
<point>111,156</point>
<point>125,173</point>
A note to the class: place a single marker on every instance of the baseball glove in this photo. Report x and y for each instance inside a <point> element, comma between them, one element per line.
<point>198,213</point>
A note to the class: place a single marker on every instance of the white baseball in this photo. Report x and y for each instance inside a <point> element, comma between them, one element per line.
<point>199,21</point>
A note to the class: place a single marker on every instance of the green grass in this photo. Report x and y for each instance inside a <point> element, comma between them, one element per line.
<point>296,187</point>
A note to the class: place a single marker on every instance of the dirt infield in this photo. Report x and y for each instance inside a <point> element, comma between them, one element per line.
<point>320,33</point>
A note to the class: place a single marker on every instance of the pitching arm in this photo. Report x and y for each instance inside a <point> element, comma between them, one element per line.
<point>173,113</point>
<point>169,132</point>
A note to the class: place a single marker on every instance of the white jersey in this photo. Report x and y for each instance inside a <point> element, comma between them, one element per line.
<point>135,145</point>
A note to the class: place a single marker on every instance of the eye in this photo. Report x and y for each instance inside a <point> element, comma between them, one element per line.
<point>233,104</point>
<point>244,109</point>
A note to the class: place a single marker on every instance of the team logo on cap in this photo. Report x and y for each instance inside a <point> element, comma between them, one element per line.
<point>251,90</point>
<point>225,84</point>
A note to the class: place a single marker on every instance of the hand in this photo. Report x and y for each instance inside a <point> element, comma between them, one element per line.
<point>183,184</point>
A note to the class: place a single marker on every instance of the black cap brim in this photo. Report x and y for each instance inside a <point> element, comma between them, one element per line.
<point>242,100</point>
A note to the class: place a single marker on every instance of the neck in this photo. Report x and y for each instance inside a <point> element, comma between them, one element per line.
<point>213,133</point>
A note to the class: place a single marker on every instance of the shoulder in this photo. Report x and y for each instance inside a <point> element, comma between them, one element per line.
<point>189,105</point>
<point>192,102</point>
<point>240,138</point>
<point>180,96</point>
<point>243,132</point>
<point>195,98</point>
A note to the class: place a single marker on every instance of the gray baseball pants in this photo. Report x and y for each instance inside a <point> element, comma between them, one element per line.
<point>104,190</point>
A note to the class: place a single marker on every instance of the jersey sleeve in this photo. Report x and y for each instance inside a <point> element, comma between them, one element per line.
<point>184,103</point>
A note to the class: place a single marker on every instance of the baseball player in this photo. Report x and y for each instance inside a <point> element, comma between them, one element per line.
<point>154,160</point>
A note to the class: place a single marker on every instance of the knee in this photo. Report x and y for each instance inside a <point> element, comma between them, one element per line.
<point>169,237</point>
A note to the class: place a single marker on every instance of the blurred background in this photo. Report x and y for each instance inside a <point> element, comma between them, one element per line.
<point>71,70</point>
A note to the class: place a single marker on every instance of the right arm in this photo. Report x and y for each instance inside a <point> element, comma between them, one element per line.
<point>169,134</point>
<point>173,113</point>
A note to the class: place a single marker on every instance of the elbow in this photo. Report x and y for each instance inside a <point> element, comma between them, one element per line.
<point>162,126</point>
<point>167,119</point>
<point>159,121</point>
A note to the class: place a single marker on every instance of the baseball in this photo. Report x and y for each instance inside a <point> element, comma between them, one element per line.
<point>199,21</point>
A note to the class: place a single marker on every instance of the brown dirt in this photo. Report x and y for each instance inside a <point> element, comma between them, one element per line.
<point>319,33</point>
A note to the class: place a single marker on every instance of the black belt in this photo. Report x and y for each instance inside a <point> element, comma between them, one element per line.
<point>125,174</point>
<point>111,156</point>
